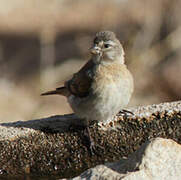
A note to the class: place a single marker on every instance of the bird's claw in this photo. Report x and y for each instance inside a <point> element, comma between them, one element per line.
<point>125,112</point>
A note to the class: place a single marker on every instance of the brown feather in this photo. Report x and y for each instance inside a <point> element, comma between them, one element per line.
<point>81,82</point>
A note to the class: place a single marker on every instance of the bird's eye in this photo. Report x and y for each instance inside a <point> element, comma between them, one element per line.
<point>107,45</point>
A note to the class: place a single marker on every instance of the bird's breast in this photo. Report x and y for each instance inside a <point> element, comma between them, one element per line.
<point>113,83</point>
<point>108,76</point>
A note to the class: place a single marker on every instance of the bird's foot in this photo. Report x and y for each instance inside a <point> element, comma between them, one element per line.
<point>125,112</point>
<point>89,141</point>
<point>86,137</point>
<point>92,148</point>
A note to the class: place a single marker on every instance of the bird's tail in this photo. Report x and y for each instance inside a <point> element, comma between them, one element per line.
<point>59,91</point>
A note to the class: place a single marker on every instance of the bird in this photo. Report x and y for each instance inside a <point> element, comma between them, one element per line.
<point>103,86</point>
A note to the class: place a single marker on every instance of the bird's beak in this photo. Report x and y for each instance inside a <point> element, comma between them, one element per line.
<point>95,50</point>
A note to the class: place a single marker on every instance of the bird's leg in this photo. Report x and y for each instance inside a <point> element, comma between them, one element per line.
<point>89,140</point>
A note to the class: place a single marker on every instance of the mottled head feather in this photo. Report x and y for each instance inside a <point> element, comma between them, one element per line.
<point>104,36</point>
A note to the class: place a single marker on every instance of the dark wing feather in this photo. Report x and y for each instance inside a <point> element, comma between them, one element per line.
<point>81,82</point>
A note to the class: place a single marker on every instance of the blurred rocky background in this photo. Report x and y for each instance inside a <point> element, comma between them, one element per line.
<point>43,42</point>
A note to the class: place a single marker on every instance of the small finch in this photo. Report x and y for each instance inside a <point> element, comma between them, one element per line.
<point>103,86</point>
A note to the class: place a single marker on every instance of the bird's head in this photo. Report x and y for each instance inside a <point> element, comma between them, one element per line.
<point>107,48</point>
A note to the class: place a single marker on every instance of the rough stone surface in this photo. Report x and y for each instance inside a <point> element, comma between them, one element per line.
<point>57,146</point>
<point>156,159</point>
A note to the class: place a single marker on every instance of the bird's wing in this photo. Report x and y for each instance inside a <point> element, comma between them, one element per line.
<point>79,85</point>
<point>81,81</point>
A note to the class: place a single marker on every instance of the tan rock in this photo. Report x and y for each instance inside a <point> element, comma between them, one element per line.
<point>156,159</point>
